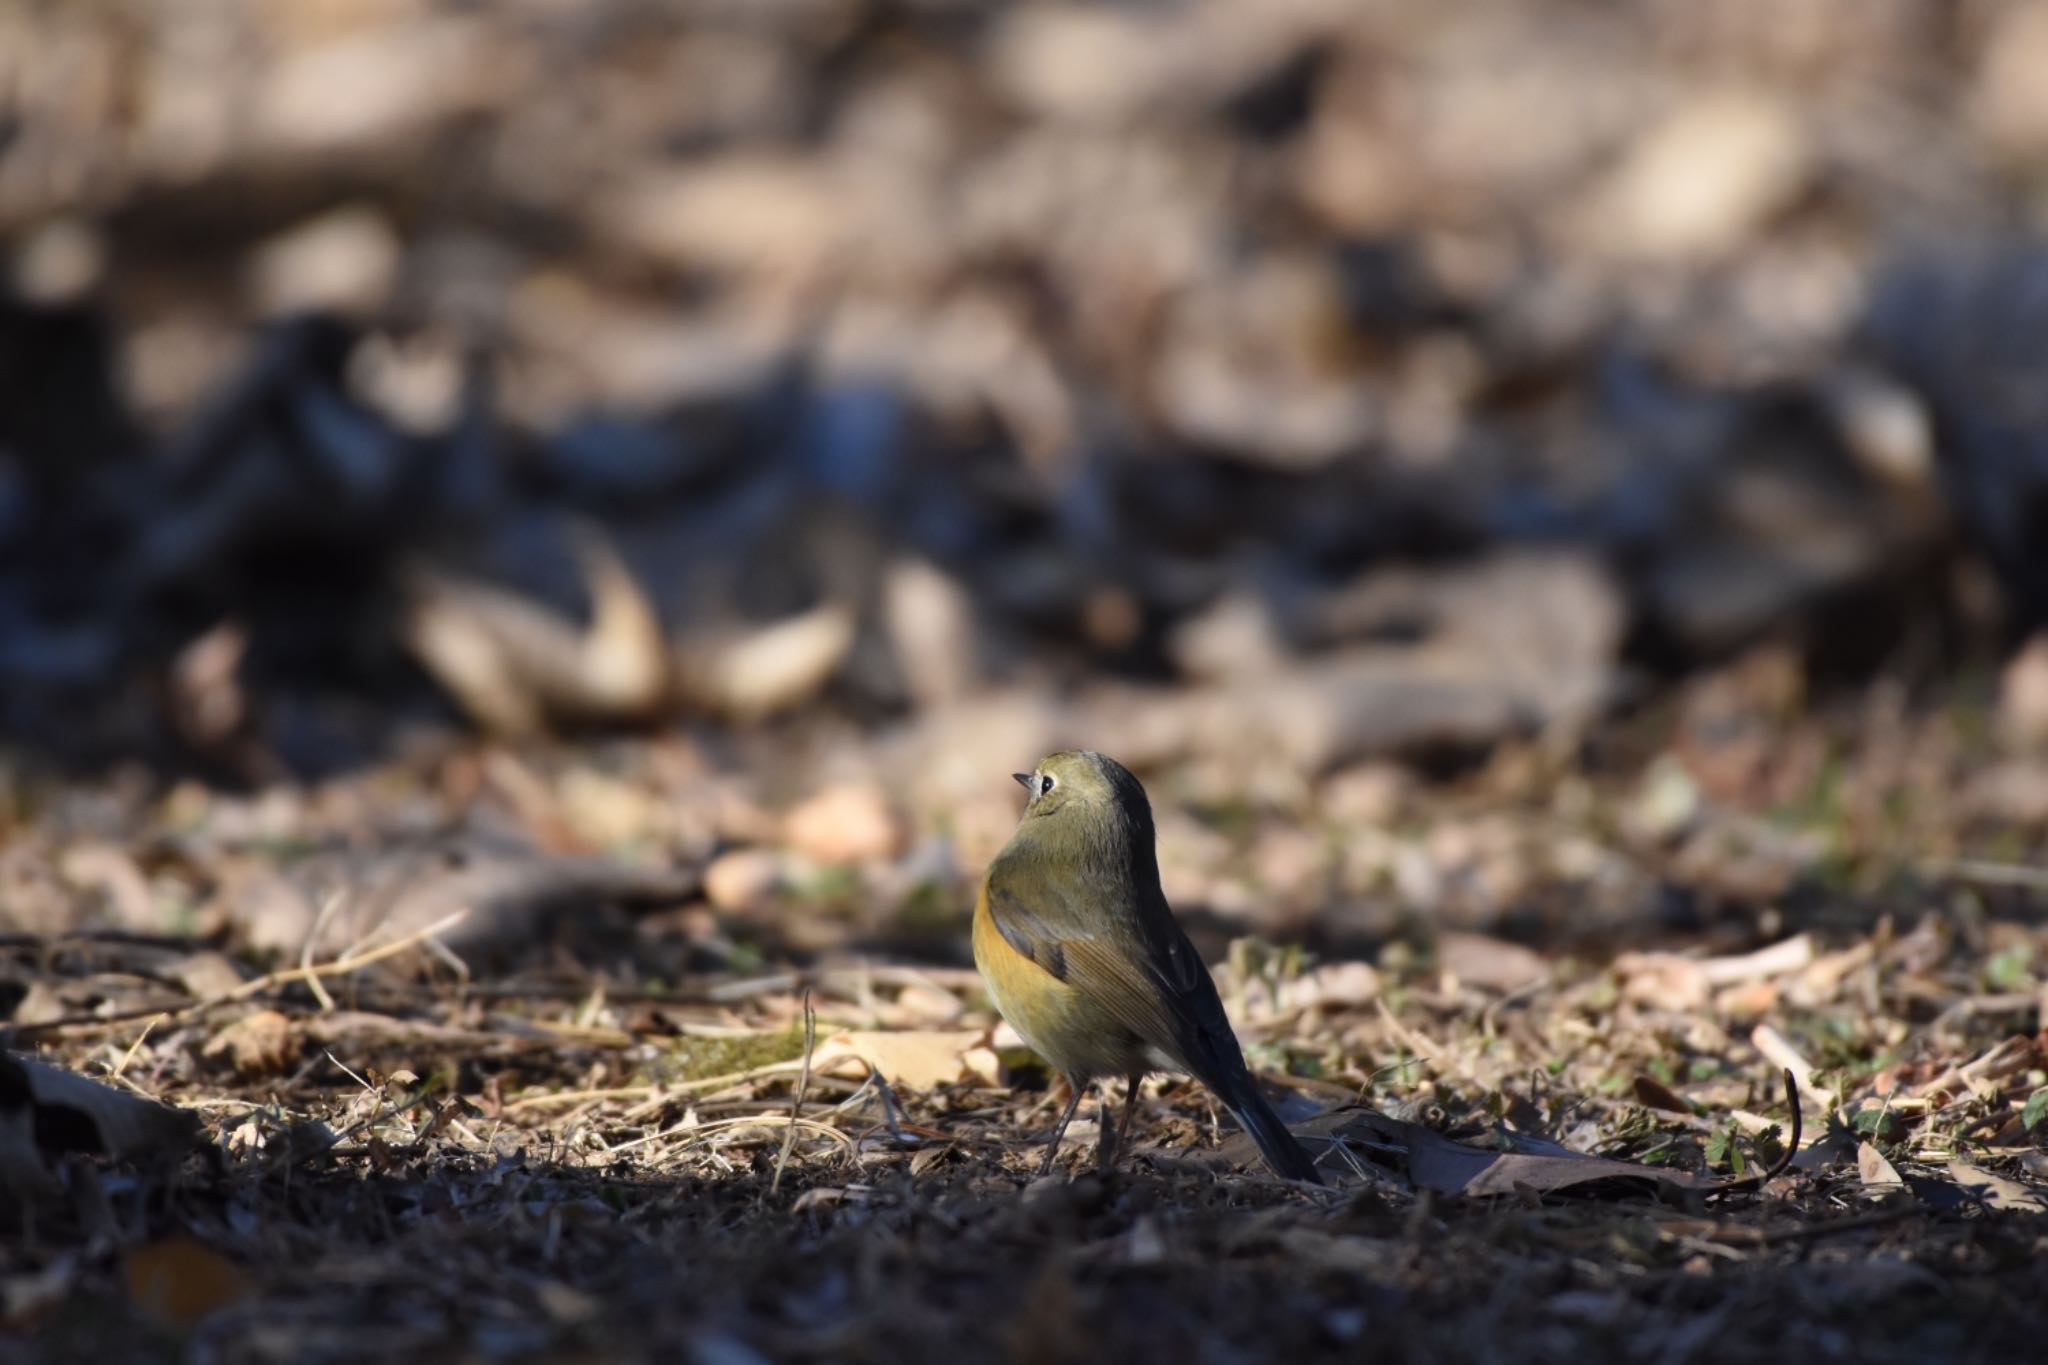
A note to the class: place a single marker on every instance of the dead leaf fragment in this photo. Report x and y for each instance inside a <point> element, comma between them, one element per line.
<point>207,703</point>
<point>257,1044</point>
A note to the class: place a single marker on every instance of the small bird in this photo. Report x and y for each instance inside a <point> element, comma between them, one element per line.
<point>1082,954</point>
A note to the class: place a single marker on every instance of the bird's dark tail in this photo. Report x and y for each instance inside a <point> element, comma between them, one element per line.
<point>1278,1146</point>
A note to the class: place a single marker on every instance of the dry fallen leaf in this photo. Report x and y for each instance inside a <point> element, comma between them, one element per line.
<point>1331,985</point>
<point>1876,1171</point>
<point>1678,982</point>
<point>1489,963</point>
<point>849,823</point>
<point>257,1044</point>
<point>917,1058</point>
<point>1778,1050</point>
<point>1434,1162</point>
<point>46,1111</point>
<point>1654,1094</point>
<point>26,1297</point>
<point>514,664</point>
<point>205,974</point>
<point>178,1281</point>
<point>1437,1163</point>
<point>769,669</point>
<point>1997,1191</point>
<point>818,1197</point>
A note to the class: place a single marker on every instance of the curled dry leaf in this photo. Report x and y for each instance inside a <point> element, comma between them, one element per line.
<point>930,620</point>
<point>46,1112</point>
<point>772,669</point>
<point>514,665</point>
<point>2023,694</point>
<point>818,1197</point>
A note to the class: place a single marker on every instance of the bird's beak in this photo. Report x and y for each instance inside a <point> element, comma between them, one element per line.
<point>1023,780</point>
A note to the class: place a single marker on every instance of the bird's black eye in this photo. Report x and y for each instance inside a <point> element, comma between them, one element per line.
<point>1045,783</point>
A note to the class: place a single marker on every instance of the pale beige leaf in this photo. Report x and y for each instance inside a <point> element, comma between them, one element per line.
<point>1331,984</point>
<point>1875,1170</point>
<point>770,669</point>
<point>1487,962</point>
<point>917,1058</point>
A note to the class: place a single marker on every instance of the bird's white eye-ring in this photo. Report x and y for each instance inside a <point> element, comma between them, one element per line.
<point>1045,783</point>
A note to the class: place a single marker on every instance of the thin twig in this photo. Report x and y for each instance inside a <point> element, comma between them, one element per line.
<point>327,910</point>
<point>1829,1227</point>
<point>803,1084</point>
<point>624,1092</point>
<point>133,1048</point>
<point>1422,1047</point>
<point>703,1131</point>
<point>1987,872</point>
<point>2001,1059</point>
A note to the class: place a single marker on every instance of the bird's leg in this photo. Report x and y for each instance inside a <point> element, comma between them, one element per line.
<point>1112,1140</point>
<point>1123,1128</point>
<point>1105,1135</point>
<point>1052,1149</point>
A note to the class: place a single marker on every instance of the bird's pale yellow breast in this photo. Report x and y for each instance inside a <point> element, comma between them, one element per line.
<point>1062,1024</point>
